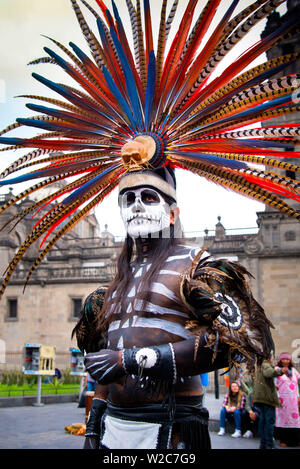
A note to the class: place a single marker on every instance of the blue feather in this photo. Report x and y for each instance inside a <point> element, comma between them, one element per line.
<point>248,112</point>
<point>261,143</point>
<point>266,106</point>
<point>80,54</point>
<point>28,176</point>
<point>116,12</point>
<point>129,80</point>
<point>53,171</point>
<point>19,179</point>
<point>150,91</point>
<point>52,126</point>
<point>58,59</point>
<point>60,89</point>
<point>211,159</point>
<point>83,57</point>
<point>85,187</point>
<point>118,95</point>
<point>60,115</point>
<point>11,141</point>
<point>101,32</point>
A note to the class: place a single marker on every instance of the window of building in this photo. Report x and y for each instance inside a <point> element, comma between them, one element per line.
<point>290,236</point>
<point>12,309</point>
<point>91,231</point>
<point>76,308</point>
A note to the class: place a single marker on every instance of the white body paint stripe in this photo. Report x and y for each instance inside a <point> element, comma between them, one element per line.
<point>152,308</point>
<point>154,323</point>
<point>169,272</point>
<point>160,288</point>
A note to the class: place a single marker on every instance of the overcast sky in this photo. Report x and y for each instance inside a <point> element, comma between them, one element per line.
<point>22,22</point>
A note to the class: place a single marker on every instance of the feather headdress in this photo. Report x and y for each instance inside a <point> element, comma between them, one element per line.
<point>170,92</point>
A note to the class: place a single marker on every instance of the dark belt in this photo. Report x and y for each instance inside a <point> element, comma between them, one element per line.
<point>187,408</point>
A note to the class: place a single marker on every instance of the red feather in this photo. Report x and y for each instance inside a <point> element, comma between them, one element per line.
<point>234,69</point>
<point>175,52</point>
<point>271,186</point>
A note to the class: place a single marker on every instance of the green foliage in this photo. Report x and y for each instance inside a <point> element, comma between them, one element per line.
<point>16,377</point>
<point>27,390</point>
<point>68,378</point>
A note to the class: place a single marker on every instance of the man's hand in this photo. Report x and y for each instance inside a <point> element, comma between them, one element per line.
<point>252,415</point>
<point>105,366</point>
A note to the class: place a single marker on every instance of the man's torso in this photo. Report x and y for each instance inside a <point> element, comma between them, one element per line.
<point>152,315</point>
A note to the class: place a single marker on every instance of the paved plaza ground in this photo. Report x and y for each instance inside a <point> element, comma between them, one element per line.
<point>30,427</point>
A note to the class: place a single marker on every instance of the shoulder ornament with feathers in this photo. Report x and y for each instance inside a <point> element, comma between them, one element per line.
<point>223,309</point>
<point>165,90</point>
<point>89,337</point>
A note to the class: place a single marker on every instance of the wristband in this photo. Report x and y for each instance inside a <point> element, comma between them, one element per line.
<point>157,362</point>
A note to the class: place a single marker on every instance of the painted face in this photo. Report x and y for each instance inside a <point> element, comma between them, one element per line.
<point>144,211</point>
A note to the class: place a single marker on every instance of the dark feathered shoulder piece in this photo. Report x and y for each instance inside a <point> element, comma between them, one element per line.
<point>89,337</point>
<point>222,306</point>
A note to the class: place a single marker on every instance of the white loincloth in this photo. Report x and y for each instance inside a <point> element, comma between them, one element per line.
<point>127,434</point>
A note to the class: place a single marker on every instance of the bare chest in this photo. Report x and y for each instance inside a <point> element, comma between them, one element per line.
<point>149,314</point>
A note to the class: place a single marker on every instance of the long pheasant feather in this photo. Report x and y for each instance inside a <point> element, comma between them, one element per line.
<point>170,19</point>
<point>140,44</point>
<point>148,31</point>
<point>161,44</point>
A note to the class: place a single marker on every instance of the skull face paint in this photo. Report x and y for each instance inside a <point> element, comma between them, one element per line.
<point>144,211</point>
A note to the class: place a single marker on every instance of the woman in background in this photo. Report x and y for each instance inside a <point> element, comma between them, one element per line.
<point>233,404</point>
<point>287,416</point>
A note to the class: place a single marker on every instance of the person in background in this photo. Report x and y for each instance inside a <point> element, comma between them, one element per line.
<point>90,383</point>
<point>251,410</point>
<point>56,377</point>
<point>226,377</point>
<point>233,404</point>
<point>205,383</point>
<point>287,416</point>
<point>266,400</point>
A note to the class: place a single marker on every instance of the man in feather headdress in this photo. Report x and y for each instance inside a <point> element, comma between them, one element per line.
<point>134,115</point>
<point>148,363</point>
